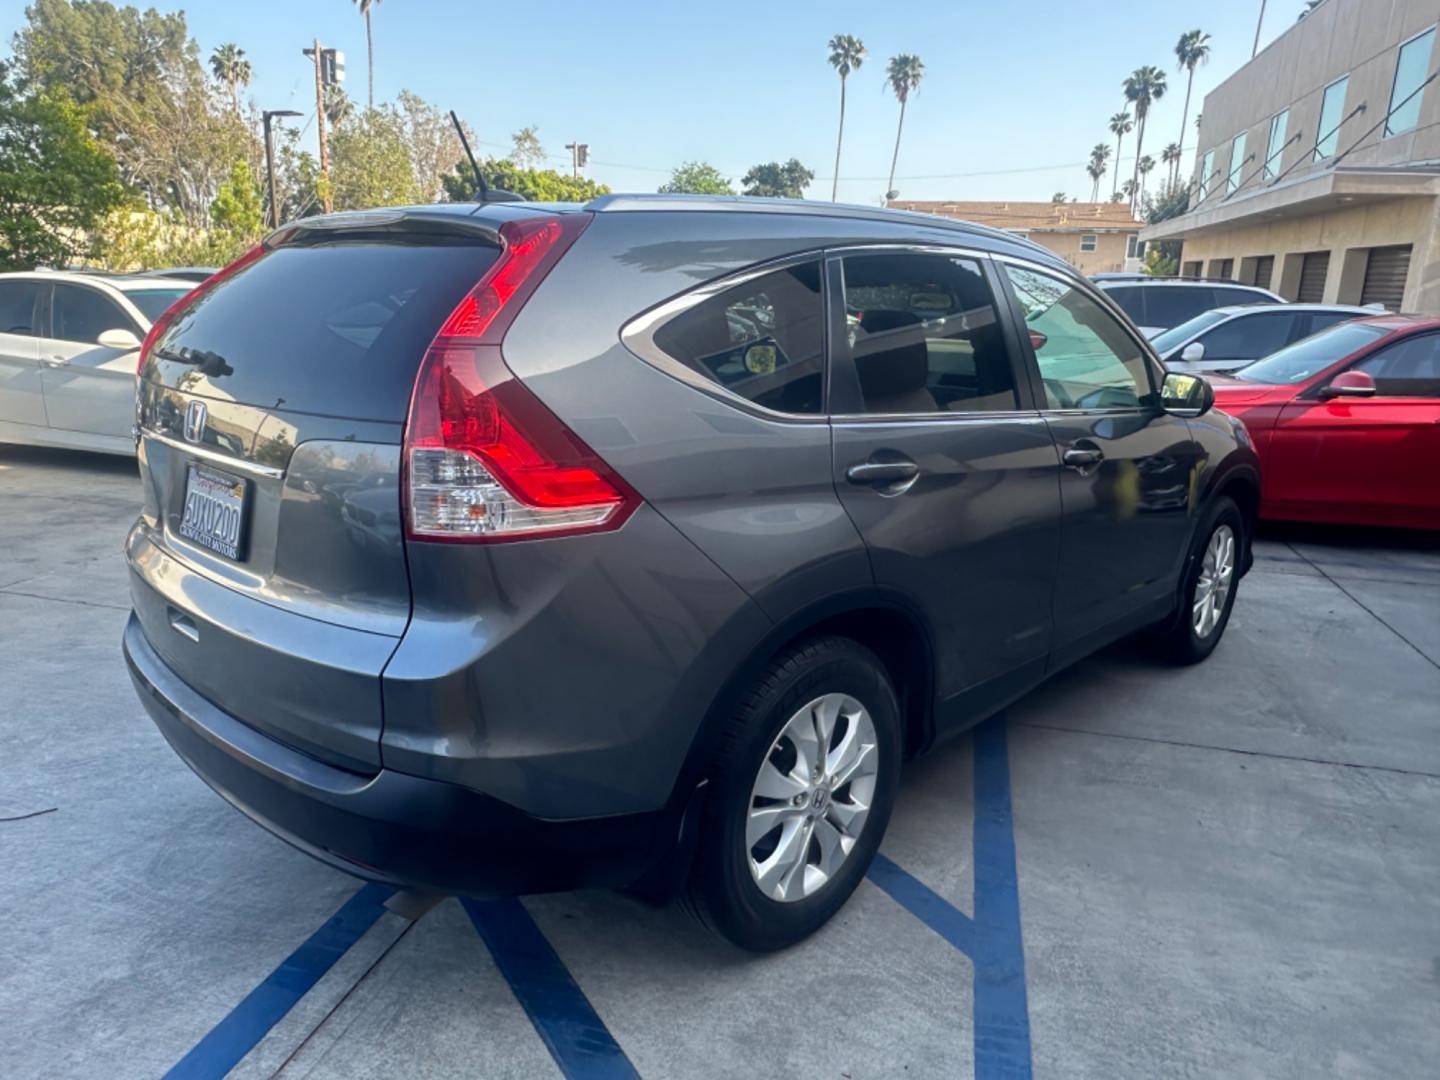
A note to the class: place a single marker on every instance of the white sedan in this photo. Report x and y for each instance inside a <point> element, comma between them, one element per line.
<point>69,344</point>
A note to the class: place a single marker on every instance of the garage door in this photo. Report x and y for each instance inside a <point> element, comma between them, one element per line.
<point>1385,272</point>
<point>1264,267</point>
<point>1314,268</point>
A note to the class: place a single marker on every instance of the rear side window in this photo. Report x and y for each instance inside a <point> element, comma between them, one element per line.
<point>17,307</point>
<point>1170,305</point>
<point>1131,301</point>
<point>762,339</point>
<point>337,328</point>
<point>1226,297</point>
<point>82,315</point>
<point>925,336</point>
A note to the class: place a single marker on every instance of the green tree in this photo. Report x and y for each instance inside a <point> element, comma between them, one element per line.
<point>534,185</point>
<point>903,74</point>
<point>847,54</point>
<point>370,163</point>
<point>1120,126</point>
<point>527,151</point>
<point>1099,163</point>
<point>228,64</point>
<point>1192,50</point>
<point>1143,87</point>
<point>1171,157</point>
<point>433,144</point>
<point>365,6</point>
<point>56,183</point>
<point>237,206</point>
<point>787,181</point>
<point>697,178</point>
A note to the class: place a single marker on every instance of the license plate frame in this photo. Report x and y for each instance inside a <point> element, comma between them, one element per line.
<point>215,512</point>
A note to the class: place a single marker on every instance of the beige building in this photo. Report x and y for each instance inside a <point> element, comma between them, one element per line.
<point>1089,236</point>
<point>1318,164</point>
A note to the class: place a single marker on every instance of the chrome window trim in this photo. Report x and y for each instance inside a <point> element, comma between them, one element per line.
<point>269,472</point>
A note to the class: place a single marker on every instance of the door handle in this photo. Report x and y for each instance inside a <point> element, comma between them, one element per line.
<point>1082,457</point>
<point>882,473</point>
<point>56,361</point>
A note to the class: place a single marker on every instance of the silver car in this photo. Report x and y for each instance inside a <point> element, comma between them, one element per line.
<point>1228,338</point>
<point>69,344</point>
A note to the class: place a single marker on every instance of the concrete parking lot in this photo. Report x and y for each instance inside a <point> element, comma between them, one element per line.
<point>1229,870</point>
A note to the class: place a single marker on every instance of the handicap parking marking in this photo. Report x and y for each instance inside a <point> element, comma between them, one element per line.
<point>235,1036</point>
<point>992,938</point>
<point>562,1015</point>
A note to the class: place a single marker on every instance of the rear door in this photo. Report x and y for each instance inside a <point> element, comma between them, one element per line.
<point>943,465</point>
<point>89,387</point>
<point>21,398</point>
<point>1128,466</point>
<point>269,562</point>
<point>1367,458</point>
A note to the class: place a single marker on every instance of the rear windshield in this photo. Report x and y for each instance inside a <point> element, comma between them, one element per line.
<point>336,328</point>
<point>1296,363</point>
<point>153,302</point>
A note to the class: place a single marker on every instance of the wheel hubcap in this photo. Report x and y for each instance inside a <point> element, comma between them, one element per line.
<point>1217,570</point>
<point>811,797</point>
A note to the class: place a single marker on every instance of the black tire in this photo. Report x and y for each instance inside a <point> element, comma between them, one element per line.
<point>722,891</point>
<point>1181,643</point>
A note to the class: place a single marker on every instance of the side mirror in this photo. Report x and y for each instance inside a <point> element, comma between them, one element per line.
<point>1193,353</point>
<point>118,339</point>
<point>1186,395</point>
<point>1349,384</point>
<point>1037,340</point>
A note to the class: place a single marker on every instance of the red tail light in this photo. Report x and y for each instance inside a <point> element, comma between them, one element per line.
<point>170,314</point>
<point>485,460</point>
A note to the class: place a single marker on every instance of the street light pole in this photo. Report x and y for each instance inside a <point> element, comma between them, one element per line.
<point>265,118</point>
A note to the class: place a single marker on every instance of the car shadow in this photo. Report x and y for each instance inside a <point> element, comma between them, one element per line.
<point>70,460</point>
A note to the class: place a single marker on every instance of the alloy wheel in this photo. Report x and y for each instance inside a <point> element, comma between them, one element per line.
<point>1217,570</point>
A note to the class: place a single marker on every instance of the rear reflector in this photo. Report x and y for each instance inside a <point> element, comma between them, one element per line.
<point>485,460</point>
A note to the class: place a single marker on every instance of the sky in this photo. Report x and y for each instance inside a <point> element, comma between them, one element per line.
<point>1015,93</point>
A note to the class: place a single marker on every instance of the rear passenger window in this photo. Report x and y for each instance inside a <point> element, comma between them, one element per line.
<point>1167,306</point>
<point>763,339</point>
<point>925,336</point>
<point>1131,301</point>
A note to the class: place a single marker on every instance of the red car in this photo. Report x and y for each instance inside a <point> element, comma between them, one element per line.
<point>1347,423</point>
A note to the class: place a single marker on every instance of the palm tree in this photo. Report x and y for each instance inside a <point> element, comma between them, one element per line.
<point>230,66</point>
<point>1127,191</point>
<point>1145,86</point>
<point>847,53</point>
<point>1192,50</point>
<point>903,74</point>
<point>1143,167</point>
<point>1099,163</point>
<point>1120,126</point>
<point>365,6</point>
<point>1171,157</point>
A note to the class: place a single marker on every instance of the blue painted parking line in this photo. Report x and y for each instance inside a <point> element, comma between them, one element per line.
<point>992,939</point>
<point>264,1007</point>
<point>563,1017</point>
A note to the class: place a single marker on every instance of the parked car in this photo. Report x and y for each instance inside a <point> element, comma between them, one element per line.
<point>184,273</point>
<point>1347,423</point>
<point>1161,303</point>
<point>68,348</point>
<point>504,548</point>
<point>1228,338</point>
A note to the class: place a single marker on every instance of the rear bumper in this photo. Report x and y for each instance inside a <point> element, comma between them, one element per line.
<point>391,826</point>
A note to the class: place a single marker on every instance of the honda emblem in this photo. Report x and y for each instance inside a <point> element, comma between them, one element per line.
<point>195,416</point>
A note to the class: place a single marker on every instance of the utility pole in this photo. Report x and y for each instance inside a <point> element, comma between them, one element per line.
<point>265,117</point>
<point>579,157</point>
<point>318,55</point>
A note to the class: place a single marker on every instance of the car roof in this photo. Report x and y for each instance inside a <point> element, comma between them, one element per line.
<point>137,282</point>
<point>1397,322</point>
<point>1281,305</point>
<point>1179,283</point>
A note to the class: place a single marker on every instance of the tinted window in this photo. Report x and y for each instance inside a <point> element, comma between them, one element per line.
<point>1322,320</point>
<point>925,335</point>
<point>153,302</point>
<point>1228,297</point>
<point>1296,363</point>
<point>1087,359</point>
<point>762,340</point>
<point>1248,337</point>
<point>1410,368</point>
<point>1131,301</point>
<point>336,328</point>
<point>82,315</point>
<point>1178,335</point>
<point>1170,305</point>
<point>17,306</point>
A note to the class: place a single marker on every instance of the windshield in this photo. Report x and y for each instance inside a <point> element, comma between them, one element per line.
<point>1168,339</point>
<point>1296,363</point>
<point>153,302</point>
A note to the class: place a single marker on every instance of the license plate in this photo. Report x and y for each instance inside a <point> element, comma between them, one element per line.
<point>214,514</point>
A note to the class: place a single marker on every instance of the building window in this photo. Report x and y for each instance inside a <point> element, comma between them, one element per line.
<point>1207,170</point>
<point>1332,108</point>
<point>1411,67</point>
<point>1237,164</point>
<point>1275,153</point>
<point>1089,241</point>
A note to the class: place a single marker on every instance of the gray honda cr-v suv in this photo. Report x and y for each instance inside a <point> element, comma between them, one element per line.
<point>507,548</point>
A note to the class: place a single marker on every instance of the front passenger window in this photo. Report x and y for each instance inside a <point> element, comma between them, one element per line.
<point>81,315</point>
<point>1409,368</point>
<point>1086,358</point>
